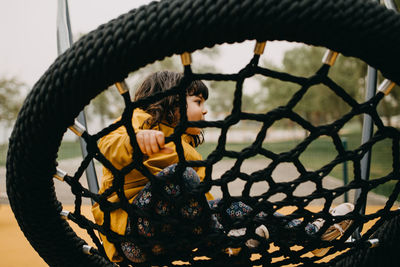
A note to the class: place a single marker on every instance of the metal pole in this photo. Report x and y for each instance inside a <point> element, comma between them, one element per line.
<point>345,176</point>
<point>367,128</point>
<point>366,135</point>
<point>64,41</point>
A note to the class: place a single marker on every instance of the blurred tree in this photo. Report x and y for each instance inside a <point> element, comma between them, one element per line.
<point>320,104</point>
<point>397,4</point>
<point>220,101</point>
<point>389,107</point>
<point>10,99</point>
<point>221,98</point>
<point>221,94</point>
<point>136,78</point>
<point>109,104</point>
<point>106,106</point>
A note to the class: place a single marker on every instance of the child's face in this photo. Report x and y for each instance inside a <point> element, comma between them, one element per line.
<point>195,111</point>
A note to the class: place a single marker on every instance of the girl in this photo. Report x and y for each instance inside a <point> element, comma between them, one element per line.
<point>152,124</point>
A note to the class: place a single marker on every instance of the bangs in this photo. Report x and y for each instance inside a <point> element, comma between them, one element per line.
<point>198,88</point>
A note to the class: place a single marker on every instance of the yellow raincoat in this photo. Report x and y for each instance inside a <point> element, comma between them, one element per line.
<point>117,149</point>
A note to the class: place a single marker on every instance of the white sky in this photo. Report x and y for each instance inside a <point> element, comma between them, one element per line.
<point>28,35</point>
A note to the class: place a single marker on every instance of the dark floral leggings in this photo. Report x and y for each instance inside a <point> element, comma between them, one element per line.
<point>190,210</point>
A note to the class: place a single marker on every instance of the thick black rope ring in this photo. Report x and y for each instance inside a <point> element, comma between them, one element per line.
<point>358,28</point>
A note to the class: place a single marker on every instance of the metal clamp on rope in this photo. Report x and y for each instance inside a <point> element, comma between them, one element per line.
<point>259,48</point>
<point>87,249</point>
<point>122,87</point>
<point>60,174</point>
<point>78,128</point>
<point>64,214</point>
<point>330,57</point>
<point>186,59</point>
<point>386,86</point>
<point>390,4</point>
<point>373,242</point>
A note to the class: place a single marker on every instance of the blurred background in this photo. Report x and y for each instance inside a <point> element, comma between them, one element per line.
<point>29,47</point>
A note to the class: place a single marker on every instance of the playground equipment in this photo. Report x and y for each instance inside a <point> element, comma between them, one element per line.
<point>363,29</point>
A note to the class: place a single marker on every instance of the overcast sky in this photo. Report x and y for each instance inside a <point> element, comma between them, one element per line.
<point>28,34</point>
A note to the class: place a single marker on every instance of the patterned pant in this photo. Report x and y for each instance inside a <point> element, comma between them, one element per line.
<point>191,210</point>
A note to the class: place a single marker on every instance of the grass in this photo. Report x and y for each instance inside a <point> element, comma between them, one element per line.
<point>67,150</point>
<point>322,151</point>
<point>319,153</point>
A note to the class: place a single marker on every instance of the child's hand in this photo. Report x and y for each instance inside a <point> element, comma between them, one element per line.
<point>152,141</point>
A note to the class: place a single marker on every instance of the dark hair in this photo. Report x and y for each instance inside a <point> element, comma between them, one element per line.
<point>165,109</point>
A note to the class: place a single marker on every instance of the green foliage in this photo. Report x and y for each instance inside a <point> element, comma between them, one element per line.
<point>397,4</point>
<point>320,104</point>
<point>10,99</point>
<point>68,150</point>
<point>221,97</point>
<point>107,105</point>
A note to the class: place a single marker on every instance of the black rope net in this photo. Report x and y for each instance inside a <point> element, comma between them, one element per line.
<point>33,150</point>
<point>213,244</point>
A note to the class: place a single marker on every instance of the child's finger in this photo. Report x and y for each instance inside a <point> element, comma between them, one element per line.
<point>153,143</point>
<point>161,143</point>
<point>140,141</point>
<point>147,144</point>
<point>160,139</point>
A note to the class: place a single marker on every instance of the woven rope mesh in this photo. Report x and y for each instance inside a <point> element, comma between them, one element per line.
<point>108,54</point>
<point>186,245</point>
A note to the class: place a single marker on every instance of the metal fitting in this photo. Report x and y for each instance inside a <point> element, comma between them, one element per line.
<point>386,86</point>
<point>64,214</point>
<point>122,87</point>
<point>259,48</point>
<point>77,128</point>
<point>330,57</point>
<point>186,59</point>
<point>60,174</point>
<point>390,4</point>
<point>87,249</point>
<point>374,242</point>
